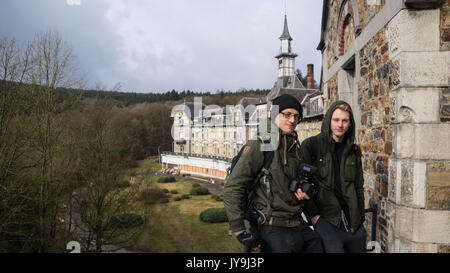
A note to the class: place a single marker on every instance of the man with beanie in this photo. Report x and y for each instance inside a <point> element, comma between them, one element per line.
<point>280,225</point>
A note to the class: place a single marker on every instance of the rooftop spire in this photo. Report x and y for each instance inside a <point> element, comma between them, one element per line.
<point>285,34</point>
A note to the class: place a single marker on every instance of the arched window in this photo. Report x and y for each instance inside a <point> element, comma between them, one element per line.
<point>348,23</point>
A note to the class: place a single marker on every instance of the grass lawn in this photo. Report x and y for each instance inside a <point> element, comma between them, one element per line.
<point>145,166</point>
<point>175,227</point>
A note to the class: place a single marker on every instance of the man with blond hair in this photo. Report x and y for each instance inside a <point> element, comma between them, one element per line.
<point>337,211</point>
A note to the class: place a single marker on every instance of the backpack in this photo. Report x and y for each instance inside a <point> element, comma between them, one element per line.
<point>250,213</point>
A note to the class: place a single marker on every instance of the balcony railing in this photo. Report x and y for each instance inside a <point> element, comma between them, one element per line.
<point>223,158</point>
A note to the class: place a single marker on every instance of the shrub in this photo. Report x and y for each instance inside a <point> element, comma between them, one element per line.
<point>166,179</point>
<point>195,185</point>
<point>126,220</point>
<point>216,197</point>
<point>214,215</point>
<point>178,198</point>
<point>151,196</point>
<point>165,190</point>
<point>199,191</point>
<point>185,196</point>
<point>173,191</point>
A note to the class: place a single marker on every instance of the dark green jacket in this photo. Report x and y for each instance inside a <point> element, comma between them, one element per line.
<point>279,201</point>
<point>351,175</point>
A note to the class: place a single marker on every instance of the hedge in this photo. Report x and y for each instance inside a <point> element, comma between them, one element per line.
<point>126,220</point>
<point>199,191</point>
<point>165,179</point>
<point>214,215</point>
<point>216,197</point>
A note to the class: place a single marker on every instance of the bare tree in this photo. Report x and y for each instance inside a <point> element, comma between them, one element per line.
<point>100,162</point>
<point>51,68</point>
<point>14,193</point>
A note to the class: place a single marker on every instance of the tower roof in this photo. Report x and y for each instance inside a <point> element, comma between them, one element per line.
<point>285,34</point>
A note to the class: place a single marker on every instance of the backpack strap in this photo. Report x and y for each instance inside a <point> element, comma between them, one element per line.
<point>268,157</point>
<point>234,161</point>
<point>264,171</point>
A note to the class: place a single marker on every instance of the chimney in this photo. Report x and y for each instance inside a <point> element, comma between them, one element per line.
<point>310,77</point>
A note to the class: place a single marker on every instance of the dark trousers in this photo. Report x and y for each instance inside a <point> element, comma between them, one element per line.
<point>290,240</point>
<point>338,240</point>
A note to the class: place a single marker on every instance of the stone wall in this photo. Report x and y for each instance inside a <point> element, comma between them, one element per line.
<point>378,75</point>
<point>307,129</point>
<point>331,92</point>
<point>445,26</point>
<point>367,9</point>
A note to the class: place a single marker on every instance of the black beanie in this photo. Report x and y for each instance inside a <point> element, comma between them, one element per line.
<point>286,101</point>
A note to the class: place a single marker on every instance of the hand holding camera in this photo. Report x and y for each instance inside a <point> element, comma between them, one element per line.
<point>303,188</point>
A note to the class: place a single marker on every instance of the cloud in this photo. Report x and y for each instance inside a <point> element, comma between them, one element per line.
<point>159,45</point>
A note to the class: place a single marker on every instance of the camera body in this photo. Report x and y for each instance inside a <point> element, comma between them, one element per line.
<point>304,181</point>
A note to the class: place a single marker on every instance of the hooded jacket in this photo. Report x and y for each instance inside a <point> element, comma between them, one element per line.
<point>271,196</point>
<point>326,204</point>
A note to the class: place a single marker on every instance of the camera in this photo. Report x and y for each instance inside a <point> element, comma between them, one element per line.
<point>304,180</point>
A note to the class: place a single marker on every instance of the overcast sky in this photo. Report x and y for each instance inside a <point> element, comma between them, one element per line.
<point>160,45</point>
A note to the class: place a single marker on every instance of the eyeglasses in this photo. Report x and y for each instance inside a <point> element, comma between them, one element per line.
<point>289,115</point>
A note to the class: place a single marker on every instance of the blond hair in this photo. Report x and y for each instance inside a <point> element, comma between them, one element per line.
<point>345,107</point>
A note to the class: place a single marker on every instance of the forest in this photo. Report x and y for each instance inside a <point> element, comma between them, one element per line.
<point>57,137</point>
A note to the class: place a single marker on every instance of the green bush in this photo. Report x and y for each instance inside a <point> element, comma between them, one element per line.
<point>195,185</point>
<point>178,198</point>
<point>126,220</point>
<point>165,190</point>
<point>214,215</point>
<point>185,196</point>
<point>166,179</point>
<point>199,190</point>
<point>173,191</point>
<point>216,197</point>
